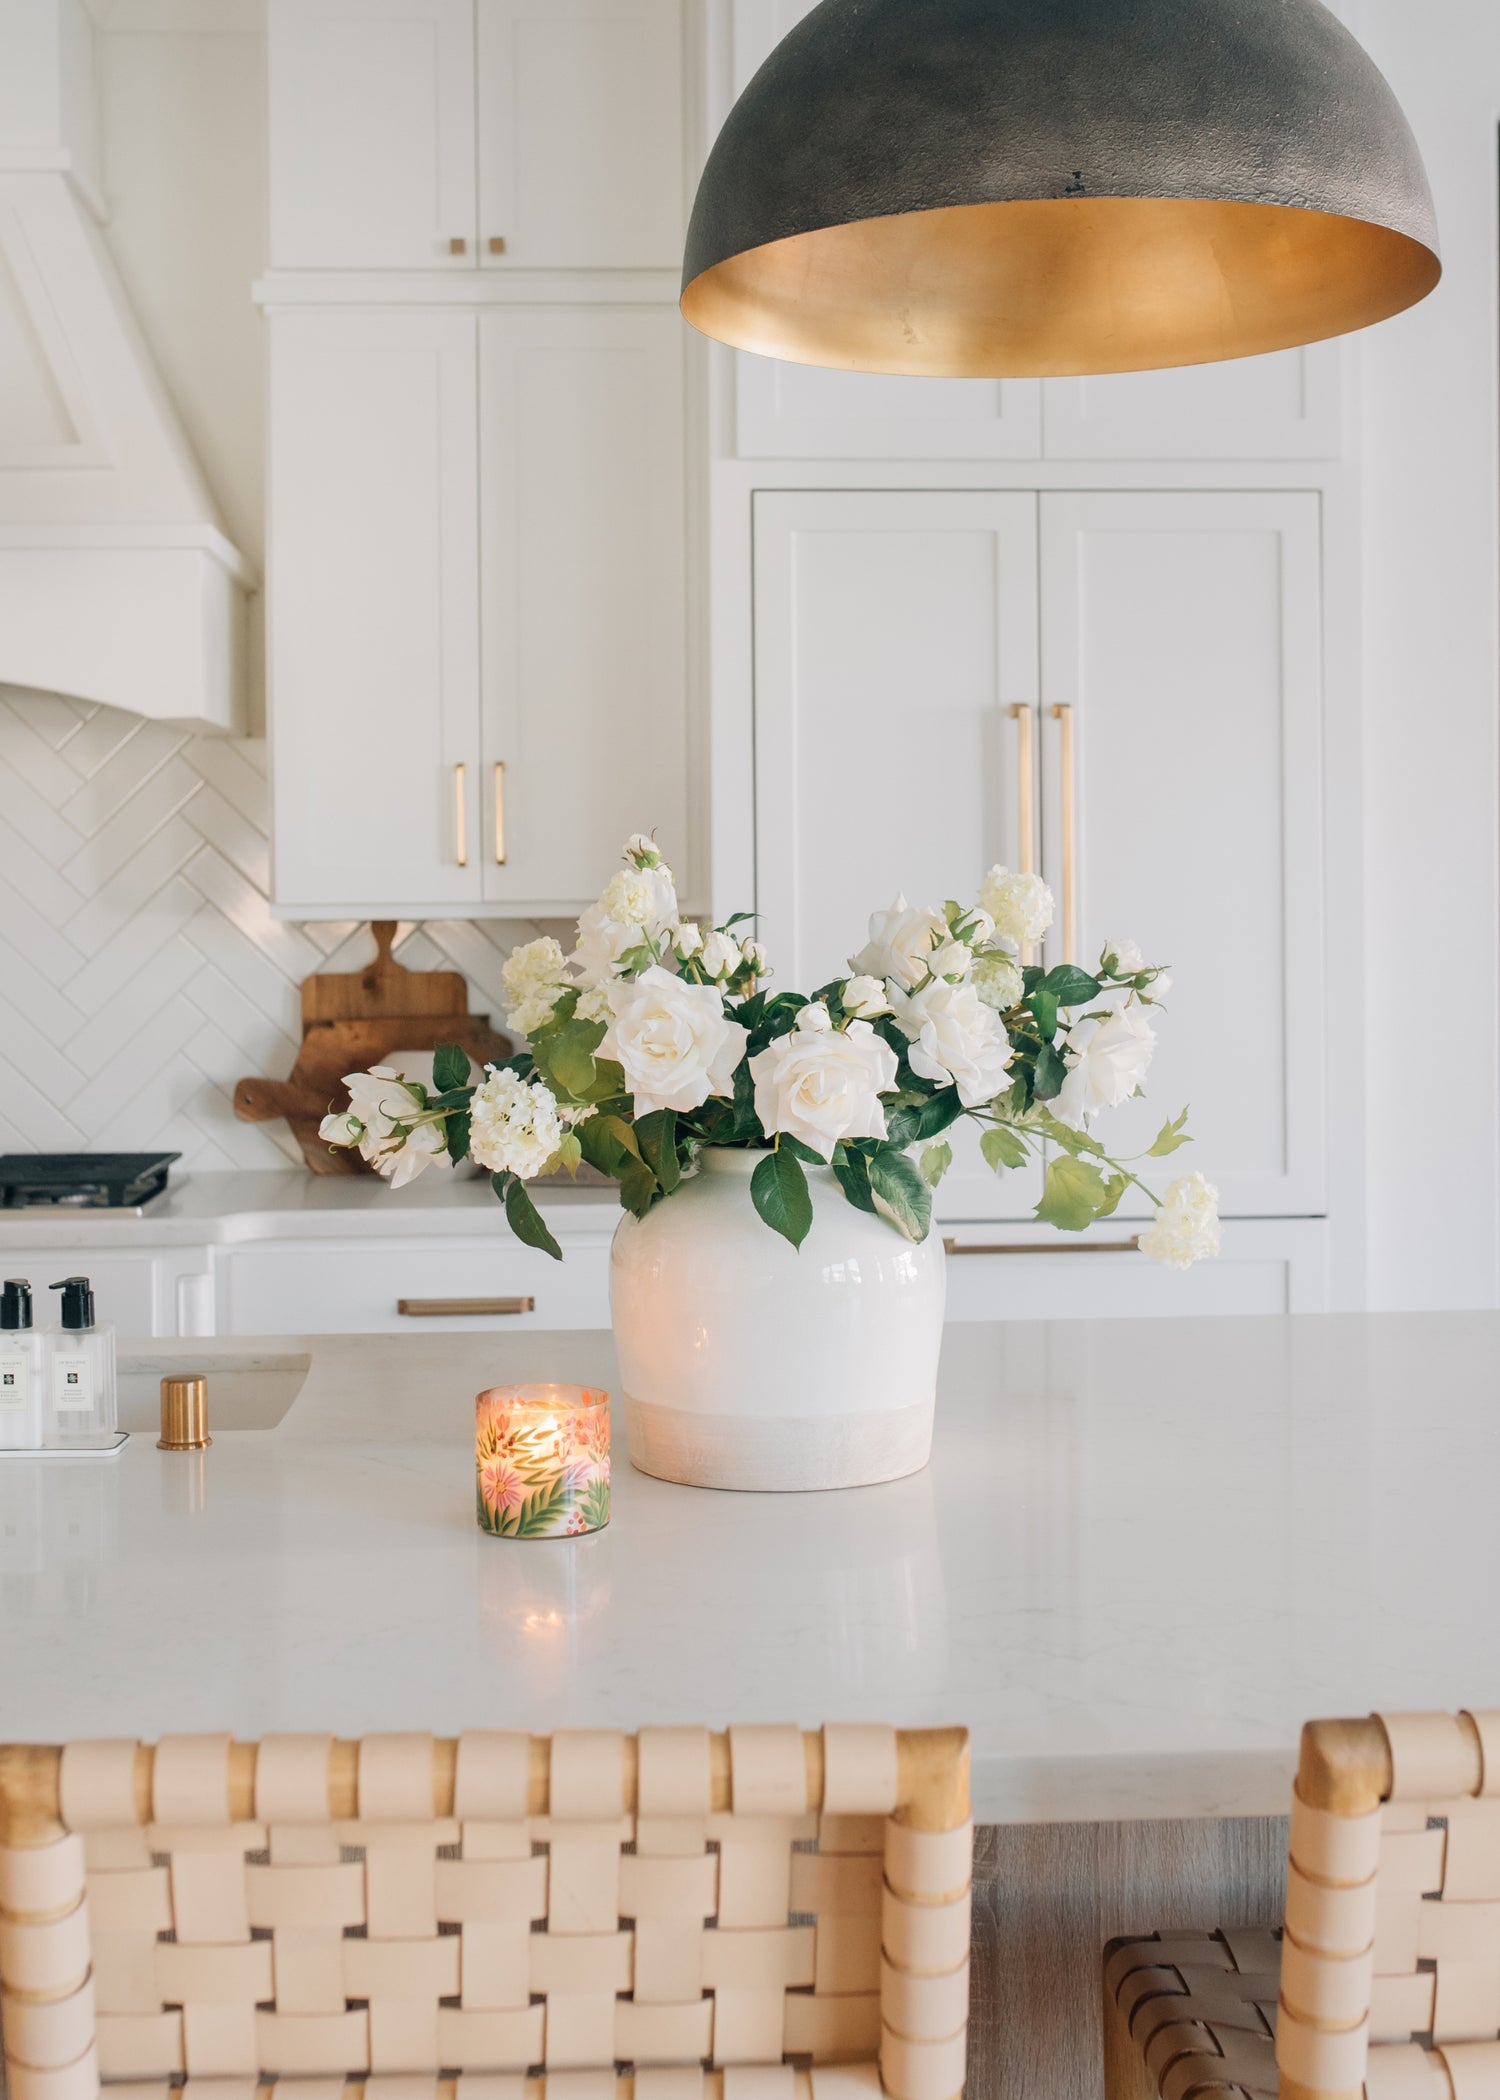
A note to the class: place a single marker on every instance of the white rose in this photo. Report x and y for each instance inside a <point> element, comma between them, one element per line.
<point>757,958</point>
<point>687,940</point>
<point>426,1147</point>
<point>981,928</point>
<point>815,1019</point>
<point>341,1130</point>
<point>865,998</point>
<point>721,954</point>
<point>1161,985</point>
<point>1107,1056</point>
<point>821,1088</point>
<point>535,977</point>
<point>636,904</point>
<point>951,959</point>
<point>901,940</point>
<point>379,1100</point>
<point>998,981</point>
<point>643,851</point>
<point>1020,905</point>
<point>1186,1228</point>
<point>954,1038</point>
<point>672,1040</point>
<point>1124,958</point>
<point>515,1126</point>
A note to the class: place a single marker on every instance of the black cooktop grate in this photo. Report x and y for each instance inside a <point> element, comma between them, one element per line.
<point>82,1180</point>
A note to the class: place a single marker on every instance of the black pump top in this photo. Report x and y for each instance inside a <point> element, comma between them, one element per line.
<point>15,1304</point>
<point>77,1301</point>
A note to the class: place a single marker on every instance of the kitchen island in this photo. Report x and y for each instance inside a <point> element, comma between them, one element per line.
<point>1143,1554</point>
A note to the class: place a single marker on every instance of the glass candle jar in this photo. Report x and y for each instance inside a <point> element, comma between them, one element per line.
<point>541,1458</point>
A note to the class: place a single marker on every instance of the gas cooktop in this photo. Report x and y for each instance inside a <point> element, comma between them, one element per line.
<point>82,1180</point>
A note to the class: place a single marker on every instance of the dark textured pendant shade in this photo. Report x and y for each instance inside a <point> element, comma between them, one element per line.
<point>1027,187</point>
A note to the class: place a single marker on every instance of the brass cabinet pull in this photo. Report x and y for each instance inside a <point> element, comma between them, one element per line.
<point>499,812</point>
<point>461,814</point>
<point>462,1308</point>
<point>497,244</point>
<point>1068,784</point>
<point>458,245</point>
<point>1042,1247</point>
<point>1025,721</point>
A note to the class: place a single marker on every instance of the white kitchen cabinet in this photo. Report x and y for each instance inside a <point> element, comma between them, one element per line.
<point>446,134</point>
<point>1182,634</point>
<point>786,411</point>
<point>372,134</point>
<point>322,1287</point>
<point>1287,406</point>
<point>444,744</point>
<point>584,595</point>
<point>1266,1265</point>
<point>895,634</point>
<point>580,134</point>
<point>147,1291</point>
<point>373,609</point>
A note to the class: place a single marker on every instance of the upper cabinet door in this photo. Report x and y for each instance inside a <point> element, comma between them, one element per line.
<point>1288,406</point>
<point>895,637</point>
<point>584,622</point>
<point>372,134</point>
<point>1183,634</point>
<point>374,614</point>
<point>581,134</point>
<point>788,411</point>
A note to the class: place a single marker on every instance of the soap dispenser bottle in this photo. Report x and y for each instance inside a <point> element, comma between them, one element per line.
<point>20,1370</point>
<point>82,1405</point>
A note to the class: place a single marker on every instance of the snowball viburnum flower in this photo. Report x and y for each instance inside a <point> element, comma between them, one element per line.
<point>515,1127</point>
<point>1020,905</point>
<point>1186,1227</point>
<point>636,905</point>
<point>535,977</point>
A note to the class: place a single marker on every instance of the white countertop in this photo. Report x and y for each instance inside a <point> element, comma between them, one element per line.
<point>231,1208</point>
<point>1143,1554</point>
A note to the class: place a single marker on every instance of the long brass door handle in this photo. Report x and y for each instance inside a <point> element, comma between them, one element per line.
<point>1025,721</point>
<point>499,812</point>
<point>1067,768</point>
<point>1041,1247</point>
<point>461,814</point>
<point>462,1308</point>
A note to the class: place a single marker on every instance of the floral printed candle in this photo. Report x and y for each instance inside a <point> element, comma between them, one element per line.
<point>541,1456</point>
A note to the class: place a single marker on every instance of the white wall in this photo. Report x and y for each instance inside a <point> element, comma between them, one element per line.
<point>1432,779</point>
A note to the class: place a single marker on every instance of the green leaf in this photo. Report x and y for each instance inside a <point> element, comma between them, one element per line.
<point>805,1153</point>
<point>1115,1186</point>
<point>450,1068</point>
<point>656,1136</point>
<point>570,1151</point>
<point>936,1161</point>
<point>1074,1196</point>
<point>458,1132</point>
<point>638,1185</point>
<point>525,1219</point>
<point>1171,1135</point>
<point>617,1128</point>
<point>927,1116</point>
<point>779,1191</point>
<point>1070,986</point>
<point>1044,1012</point>
<point>540,1511</point>
<point>1003,1148</point>
<point>905,1195</point>
<point>595,1504</point>
<point>1077,1142</point>
<point>1050,1074</point>
<point>570,1056</point>
<point>853,1172</point>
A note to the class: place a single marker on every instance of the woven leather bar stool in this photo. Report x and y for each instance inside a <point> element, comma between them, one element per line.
<point>1385,1981</point>
<point>762,1915</point>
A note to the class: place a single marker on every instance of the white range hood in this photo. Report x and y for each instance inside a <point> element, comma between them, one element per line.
<point>117,581</point>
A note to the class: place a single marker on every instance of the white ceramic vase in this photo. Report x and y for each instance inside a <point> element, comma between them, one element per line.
<point>748,1363</point>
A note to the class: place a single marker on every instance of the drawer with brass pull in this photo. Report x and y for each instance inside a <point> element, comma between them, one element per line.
<point>410,1286</point>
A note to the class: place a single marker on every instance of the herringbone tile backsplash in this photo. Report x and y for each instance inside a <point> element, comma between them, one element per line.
<point>141,972</point>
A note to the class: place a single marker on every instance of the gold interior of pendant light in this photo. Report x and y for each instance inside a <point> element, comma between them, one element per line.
<point>1060,286</point>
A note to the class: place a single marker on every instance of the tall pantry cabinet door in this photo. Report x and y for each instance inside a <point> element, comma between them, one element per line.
<point>372,134</point>
<point>374,610</point>
<point>584,620</point>
<point>894,635</point>
<point>581,134</point>
<point>1183,635</point>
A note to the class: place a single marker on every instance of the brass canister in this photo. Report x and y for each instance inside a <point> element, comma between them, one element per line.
<point>184,1415</point>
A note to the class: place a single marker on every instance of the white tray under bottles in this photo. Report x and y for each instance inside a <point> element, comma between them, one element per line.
<point>106,1447</point>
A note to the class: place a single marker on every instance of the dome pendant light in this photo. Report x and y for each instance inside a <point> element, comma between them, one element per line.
<point>1029,187</point>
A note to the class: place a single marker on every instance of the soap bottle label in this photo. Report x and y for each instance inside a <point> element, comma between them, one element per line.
<point>15,1382</point>
<point>72,1384</point>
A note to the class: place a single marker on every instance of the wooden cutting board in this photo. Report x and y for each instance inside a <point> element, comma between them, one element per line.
<point>351,1021</point>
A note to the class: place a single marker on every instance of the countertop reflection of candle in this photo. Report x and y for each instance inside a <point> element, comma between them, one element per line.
<point>541,1455</point>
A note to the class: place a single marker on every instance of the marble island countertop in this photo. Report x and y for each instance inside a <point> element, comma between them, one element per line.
<point>1144,1553</point>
